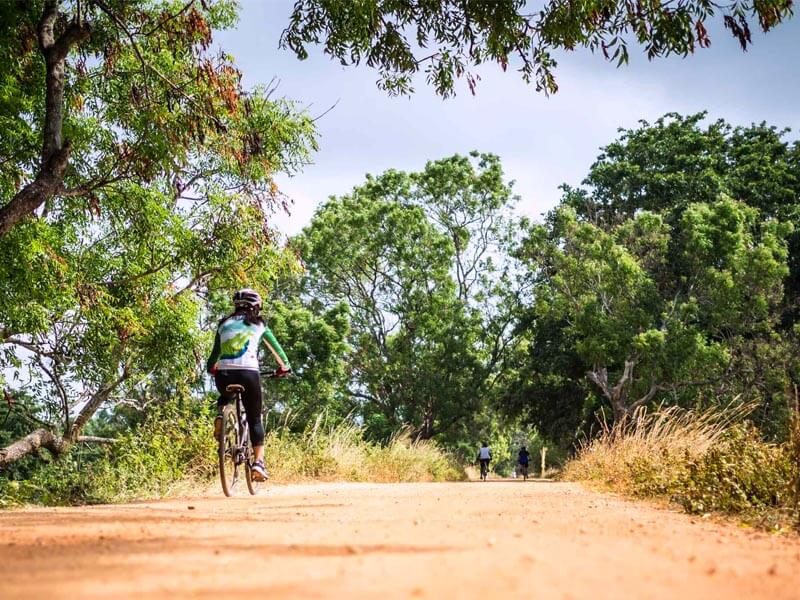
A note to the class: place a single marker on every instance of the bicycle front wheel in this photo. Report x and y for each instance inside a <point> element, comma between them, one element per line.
<point>227,451</point>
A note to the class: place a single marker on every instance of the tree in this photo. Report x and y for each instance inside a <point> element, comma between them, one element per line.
<point>159,204</point>
<point>450,38</point>
<point>684,222</point>
<point>664,166</point>
<point>102,92</point>
<point>417,258</point>
<point>652,309</point>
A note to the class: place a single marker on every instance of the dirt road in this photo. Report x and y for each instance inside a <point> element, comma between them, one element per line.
<point>465,540</point>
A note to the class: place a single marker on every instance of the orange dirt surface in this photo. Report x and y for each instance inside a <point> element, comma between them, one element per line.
<point>499,539</point>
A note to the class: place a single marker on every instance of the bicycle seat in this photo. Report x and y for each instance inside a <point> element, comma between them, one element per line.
<point>234,388</point>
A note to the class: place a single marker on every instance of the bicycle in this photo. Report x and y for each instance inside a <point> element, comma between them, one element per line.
<point>234,449</point>
<point>524,470</point>
<point>484,469</point>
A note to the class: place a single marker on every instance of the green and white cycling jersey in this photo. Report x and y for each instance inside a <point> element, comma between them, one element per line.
<point>236,345</point>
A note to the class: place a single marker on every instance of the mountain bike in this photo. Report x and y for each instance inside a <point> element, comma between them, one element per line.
<point>234,450</point>
<point>484,469</point>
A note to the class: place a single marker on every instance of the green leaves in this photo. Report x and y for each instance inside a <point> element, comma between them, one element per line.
<point>419,260</point>
<point>164,209</point>
<point>449,39</point>
<point>653,284</point>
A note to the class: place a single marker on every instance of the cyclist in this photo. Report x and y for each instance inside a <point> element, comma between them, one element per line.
<point>523,458</point>
<point>484,457</point>
<point>234,360</point>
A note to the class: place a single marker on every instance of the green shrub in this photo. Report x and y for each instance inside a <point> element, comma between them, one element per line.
<point>173,451</point>
<point>739,474</point>
<point>170,448</point>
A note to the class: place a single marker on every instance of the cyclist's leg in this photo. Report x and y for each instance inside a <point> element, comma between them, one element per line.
<point>222,379</point>
<point>252,400</point>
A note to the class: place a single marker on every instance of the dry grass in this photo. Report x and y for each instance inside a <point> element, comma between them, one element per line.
<point>340,453</point>
<point>173,453</point>
<point>708,461</point>
<point>650,451</point>
<point>794,453</point>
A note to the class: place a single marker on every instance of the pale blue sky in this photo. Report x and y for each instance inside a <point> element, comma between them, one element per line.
<point>542,141</point>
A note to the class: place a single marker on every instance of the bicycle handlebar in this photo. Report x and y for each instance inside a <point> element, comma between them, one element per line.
<point>275,374</point>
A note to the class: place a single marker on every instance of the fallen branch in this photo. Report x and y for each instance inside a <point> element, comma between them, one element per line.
<point>33,442</point>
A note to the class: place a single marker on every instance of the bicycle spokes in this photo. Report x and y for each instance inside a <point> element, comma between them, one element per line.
<point>229,453</point>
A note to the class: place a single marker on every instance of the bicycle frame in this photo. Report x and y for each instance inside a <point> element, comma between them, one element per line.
<point>243,433</point>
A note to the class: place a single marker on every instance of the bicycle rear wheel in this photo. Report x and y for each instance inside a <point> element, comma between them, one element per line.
<point>227,450</point>
<point>253,485</point>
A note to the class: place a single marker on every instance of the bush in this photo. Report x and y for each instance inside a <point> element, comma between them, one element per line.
<point>169,449</point>
<point>739,474</point>
<point>172,451</point>
<point>707,461</point>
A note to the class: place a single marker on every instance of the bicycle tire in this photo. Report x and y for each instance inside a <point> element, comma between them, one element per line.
<point>227,448</point>
<point>253,486</point>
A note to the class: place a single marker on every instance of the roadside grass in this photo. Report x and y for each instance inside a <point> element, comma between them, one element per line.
<point>710,461</point>
<point>172,452</point>
<point>340,453</point>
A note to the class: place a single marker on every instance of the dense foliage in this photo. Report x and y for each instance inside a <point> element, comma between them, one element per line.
<point>161,197</point>
<point>669,277</point>
<point>419,260</point>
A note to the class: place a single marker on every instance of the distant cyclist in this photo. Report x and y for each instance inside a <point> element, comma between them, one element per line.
<point>484,458</point>
<point>523,458</point>
<point>234,360</point>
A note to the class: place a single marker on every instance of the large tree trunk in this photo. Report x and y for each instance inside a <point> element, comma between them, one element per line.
<point>55,152</point>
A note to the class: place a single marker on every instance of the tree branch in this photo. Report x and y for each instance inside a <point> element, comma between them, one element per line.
<point>41,438</point>
<point>93,439</point>
<point>55,152</point>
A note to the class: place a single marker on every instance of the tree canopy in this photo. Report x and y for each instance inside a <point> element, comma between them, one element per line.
<point>669,277</point>
<point>449,39</point>
<point>136,178</point>
<point>417,257</point>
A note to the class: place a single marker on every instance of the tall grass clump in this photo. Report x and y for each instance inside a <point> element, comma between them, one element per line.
<point>794,458</point>
<point>707,460</point>
<point>339,452</point>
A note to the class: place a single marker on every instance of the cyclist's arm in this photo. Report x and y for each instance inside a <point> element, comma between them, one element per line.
<point>275,348</point>
<point>215,351</point>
